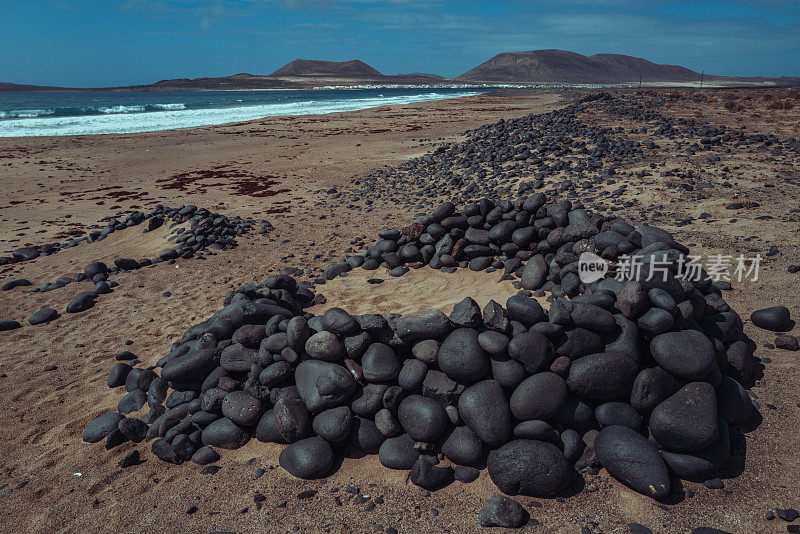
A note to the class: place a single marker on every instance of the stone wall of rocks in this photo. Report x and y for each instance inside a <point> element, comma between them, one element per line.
<point>559,150</point>
<point>645,377</point>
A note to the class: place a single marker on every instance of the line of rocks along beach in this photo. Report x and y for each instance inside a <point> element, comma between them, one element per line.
<point>716,188</point>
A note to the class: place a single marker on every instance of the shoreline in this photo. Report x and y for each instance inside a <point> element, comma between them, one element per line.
<point>231,123</point>
<point>710,82</point>
<point>278,146</point>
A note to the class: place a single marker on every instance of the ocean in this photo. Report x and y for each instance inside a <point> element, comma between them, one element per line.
<point>102,112</point>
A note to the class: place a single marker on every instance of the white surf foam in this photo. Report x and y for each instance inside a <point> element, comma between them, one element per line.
<point>126,119</point>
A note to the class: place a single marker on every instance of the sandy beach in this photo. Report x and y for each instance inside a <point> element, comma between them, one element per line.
<point>298,173</point>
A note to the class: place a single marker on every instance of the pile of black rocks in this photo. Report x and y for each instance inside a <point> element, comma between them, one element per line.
<point>644,377</point>
<point>208,230</point>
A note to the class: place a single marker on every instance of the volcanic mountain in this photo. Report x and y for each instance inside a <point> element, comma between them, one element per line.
<point>327,69</point>
<point>559,66</point>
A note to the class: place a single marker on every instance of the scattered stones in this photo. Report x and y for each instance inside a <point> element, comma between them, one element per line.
<point>786,342</point>
<point>45,315</point>
<point>775,318</point>
<point>7,325</point>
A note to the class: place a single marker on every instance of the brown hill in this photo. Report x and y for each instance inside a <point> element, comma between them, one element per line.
<point>8,87</point>
<point>329,69</point>
<point>559,66</point>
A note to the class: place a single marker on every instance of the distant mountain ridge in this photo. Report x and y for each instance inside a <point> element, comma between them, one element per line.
<point>559,66</point>
<point>533,67</point>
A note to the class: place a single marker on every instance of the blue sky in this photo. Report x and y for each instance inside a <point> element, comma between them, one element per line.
<point>120,42</point>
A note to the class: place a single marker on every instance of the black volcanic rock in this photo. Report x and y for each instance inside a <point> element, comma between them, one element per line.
<point>485,410</point>
<point>633,460</point>
<point>225,434</point>
<point>398,452</point>
<point>687,354</point>
<point>775,318</point>
<point>528,467</point>
<point>540,396</point>
<point>500,511</point>
<point>323,385</point>
<point>422,418</point>
<point>601,376</point>
<point>686,421</point>
<point>461,356</point>
<point>308,458</point>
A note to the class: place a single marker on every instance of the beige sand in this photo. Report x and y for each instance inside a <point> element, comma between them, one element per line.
<point>51,183</point>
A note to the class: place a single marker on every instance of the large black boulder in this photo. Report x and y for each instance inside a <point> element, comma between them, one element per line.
<point>528,467</point>
<point>422,418</point>
<point>292,418</point>
<point>633,460</point>
<point>225,434</point>
<point>463,447</point>
<point>333,424</point>
<point>700,465</point>
<point>45,315</point>
<point>686,354</point>
<point>101,426</point>
<point>532,350</point>
<point>430,477</point>
<point>602,376</point>
<point>484,408</point>
<point>652,386</point>
<point>540,396</point>
<point>325,346</point>
<point>242,408</point>
<point>308,458</point>
<point>462,358</point>
<point>340,322</point>
<point>380,364</point>
<point>427,324</point>
<point>323,385</point>
<point>398,452</point>
<point>535,273</point>
<point>524,309</point>
<point>686,421</point>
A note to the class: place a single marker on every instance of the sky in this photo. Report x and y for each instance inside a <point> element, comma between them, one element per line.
<point>94,43</point>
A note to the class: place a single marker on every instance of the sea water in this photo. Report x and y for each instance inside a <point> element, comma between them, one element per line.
<point>103,112</point>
